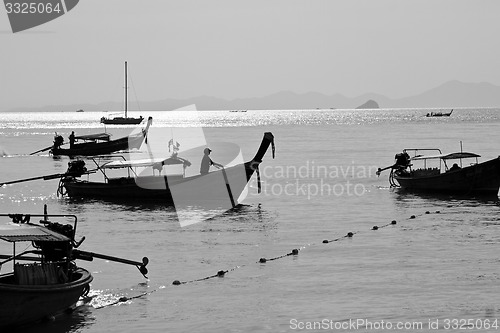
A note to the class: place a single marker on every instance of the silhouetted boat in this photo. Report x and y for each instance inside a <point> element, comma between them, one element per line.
<point>461,178</point>
<point>100,144</point>
<point>439,114</point>
<point>224,184</point>
<point>44,281</point>
<point>123,120</point>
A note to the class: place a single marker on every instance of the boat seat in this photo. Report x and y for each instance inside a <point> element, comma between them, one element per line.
<point>121,180</point>
<point>36,274</point>
<point>426,172</point>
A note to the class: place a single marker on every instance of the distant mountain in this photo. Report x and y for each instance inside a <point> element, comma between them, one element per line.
<point>451,94</point>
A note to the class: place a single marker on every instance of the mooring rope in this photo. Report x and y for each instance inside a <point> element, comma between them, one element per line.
<point>293,252</point>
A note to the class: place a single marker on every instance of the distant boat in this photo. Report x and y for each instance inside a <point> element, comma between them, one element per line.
<point>474,177</point>
<point>81,110</point>
<point>123,120</point>
<point>439,114</point>
<point>99,144</point>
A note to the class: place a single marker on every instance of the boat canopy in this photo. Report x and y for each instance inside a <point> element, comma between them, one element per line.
<point>154,162</point>
<point>452,156</point>
<point>97,136</point>
<point>28,232</point>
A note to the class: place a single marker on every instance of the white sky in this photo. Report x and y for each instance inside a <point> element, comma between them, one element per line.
<point>251,48</point>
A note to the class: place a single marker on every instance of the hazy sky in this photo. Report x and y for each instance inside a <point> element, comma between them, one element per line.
<point>252,48</point>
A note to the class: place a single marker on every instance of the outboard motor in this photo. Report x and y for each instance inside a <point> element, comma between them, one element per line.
<point>57,250</point>
<point>402,161</point>
<point>58,141</point>
<point>76,168</point>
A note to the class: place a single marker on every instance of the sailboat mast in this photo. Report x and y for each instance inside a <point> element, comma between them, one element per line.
<point>126,90</point>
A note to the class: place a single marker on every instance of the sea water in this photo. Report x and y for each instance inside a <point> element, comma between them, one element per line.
<point>435,269</point>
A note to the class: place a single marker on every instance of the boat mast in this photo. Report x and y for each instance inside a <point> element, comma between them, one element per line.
<point>126,88</point>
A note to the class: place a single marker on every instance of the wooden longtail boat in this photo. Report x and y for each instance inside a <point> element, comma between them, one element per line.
<point>436,174</point>
<point>44,281</point>
<point>224,184</point>
<point>100,144</point>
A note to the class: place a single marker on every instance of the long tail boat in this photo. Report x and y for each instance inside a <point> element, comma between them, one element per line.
<point>100,144</point>
<point>45,280</point>
<point>439,114</point>
<point>224,185</point>
<point>459,173</point>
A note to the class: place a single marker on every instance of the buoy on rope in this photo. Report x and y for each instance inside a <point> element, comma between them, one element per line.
<point>427,212</point>
<point>325,241</point>
<point>412,217</point>
<point>221,273</point>
<point>176,282</point>
<point>262,260</point>
<point>393,222</point>
<point>375,227</point>
<point>350,234</point>
<point>295,252</point>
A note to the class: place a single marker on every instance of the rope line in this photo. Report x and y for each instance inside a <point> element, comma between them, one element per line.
<point>293,252</point>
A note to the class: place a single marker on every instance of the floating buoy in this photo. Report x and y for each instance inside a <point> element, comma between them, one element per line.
<point>176,282</point>
<point>350,234</point>
<point>325,241</point>
<point>262,260</point>
<point>295,252</point>
<point>412,217</point>
<point>437,211</point>
<point>393,222</point>
<point>427,212</point>
<point>375,227</point>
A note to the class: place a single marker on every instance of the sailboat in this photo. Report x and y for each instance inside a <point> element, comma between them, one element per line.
<point>123,120</point>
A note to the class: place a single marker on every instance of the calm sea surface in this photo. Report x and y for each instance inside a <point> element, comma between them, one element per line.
<point>416,276</point>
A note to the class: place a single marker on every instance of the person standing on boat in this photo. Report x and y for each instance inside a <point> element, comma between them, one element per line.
<point>206,162</point>
<point>71,139</point>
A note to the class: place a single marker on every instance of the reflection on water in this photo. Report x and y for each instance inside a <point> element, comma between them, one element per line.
<point>80,318</point>
<point>117,204</point>
<point>441,199</point>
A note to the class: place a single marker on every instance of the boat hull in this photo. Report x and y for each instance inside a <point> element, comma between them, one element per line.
<point>102,148</point>
<point>219,186</point>
<point>121,121</point>
<point>479,178</point>
<point>21,304</point>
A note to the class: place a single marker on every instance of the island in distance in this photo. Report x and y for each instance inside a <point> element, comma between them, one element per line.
<point>370,104</point>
